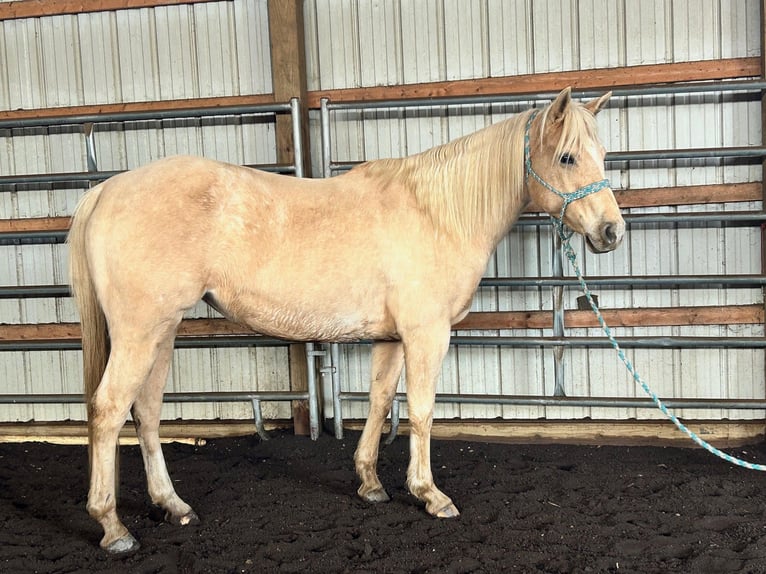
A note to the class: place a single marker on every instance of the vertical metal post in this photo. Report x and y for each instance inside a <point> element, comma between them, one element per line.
<point>558,315</point>
<point>312,390</point>
<point>337,406</point>
<point>394,421</point>
<point>324,121</point>
<point>313,403</point>
<point>295,114</point>
<point>90,146</point>
<point>763,131</point>
<point>258,419</point>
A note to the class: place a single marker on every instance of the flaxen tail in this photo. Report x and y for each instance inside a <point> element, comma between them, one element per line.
<point>95,340</point>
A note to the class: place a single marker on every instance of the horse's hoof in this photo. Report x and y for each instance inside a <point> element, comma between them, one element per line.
<point>449,511</point>
<point>188,519</point>
<point>123,545</point>
<point>377,495</point>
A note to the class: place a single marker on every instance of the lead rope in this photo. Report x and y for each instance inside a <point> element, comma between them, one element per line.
<point>621,354</point>
<point>565,235</point>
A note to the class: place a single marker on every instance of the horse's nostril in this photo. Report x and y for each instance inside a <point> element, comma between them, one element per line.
<point>608,233</point>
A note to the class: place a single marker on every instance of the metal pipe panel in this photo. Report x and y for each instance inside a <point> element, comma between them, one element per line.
<point>609,402</point>
<point>155,115</point>
<point>180,343</point>
<point>195,397</point>
<point>645,281</point>
<point>658,90</point>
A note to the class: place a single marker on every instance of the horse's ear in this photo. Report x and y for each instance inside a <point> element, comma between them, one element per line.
<point>595,105</point>
<point>560,104</point>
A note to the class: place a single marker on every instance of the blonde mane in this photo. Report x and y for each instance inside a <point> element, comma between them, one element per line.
<point>476,182</point>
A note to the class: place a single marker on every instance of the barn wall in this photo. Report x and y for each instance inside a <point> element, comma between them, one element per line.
<point>222,48</point>
<point>164,53</point>
<point>395,42</point>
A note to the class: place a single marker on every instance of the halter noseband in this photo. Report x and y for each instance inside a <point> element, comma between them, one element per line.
<point>568,198</point>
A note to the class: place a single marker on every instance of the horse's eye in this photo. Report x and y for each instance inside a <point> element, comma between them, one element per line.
<point>568,159</point>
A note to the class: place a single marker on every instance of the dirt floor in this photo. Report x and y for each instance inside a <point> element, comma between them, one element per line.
<point>289,505</point>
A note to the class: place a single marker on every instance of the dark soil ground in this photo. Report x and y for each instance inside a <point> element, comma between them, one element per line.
<point>289,505</point>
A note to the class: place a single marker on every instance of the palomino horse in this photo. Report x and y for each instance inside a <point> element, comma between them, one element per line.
<point>407,241</point>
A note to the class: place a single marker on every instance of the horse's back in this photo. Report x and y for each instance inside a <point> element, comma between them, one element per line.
<point>298,258</point>
<point>270,249</point>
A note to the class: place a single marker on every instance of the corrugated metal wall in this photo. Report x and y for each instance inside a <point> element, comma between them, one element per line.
<point>382,43</point>
<point>164,53</point>
<point>221,48</point>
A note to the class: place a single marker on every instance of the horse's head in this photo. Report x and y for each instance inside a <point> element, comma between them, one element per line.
<point>564,163</point>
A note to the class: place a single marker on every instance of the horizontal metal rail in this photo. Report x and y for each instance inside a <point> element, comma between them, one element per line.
<point>641,281</point>
<point>752,153</point>
<point>197,397</point>
<point>649,342</point>
<point>552,401</point>
<point>149,115</point>
<point>182,342</point>
<point>743,152</point>
<point>625,342</point>
<point>7,182</point>
<point>729,218</point>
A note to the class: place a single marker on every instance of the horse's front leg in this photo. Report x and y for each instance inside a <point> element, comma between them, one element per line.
<point>424,351</point>
<point>387,362</point>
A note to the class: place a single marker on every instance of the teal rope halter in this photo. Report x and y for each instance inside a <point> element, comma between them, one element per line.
<point>568,198</point>
<point>566,235</point>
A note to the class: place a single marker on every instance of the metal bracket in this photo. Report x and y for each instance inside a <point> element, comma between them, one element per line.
<point>327,368</point>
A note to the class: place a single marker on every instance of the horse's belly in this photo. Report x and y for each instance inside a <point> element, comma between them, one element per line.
<point>308,322</point>
<point>306,325</point>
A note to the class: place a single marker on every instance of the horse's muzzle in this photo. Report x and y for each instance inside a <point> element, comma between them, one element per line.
<point>607,237</point>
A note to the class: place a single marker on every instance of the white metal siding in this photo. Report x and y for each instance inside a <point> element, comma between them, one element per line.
<point>221,48</point>
<point>373,42</point>
<point>164,53</point>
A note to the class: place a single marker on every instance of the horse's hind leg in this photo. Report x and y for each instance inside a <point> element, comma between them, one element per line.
<point>146,418</point>
<point>131,360</point>
<point>387,362</point>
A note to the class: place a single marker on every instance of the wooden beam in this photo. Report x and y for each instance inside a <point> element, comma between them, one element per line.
<point>288,73</point>
<point>689,194</point>
<point>34,224</point>
<point>478,321</point>
<point>192,432</point>
<point>724,434</point>
<point>153,106</point>
<point>40,8</point>
<point>636,75</point>
<point>684,195</point>
<point>654,317</point>
<point>603,78</point>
